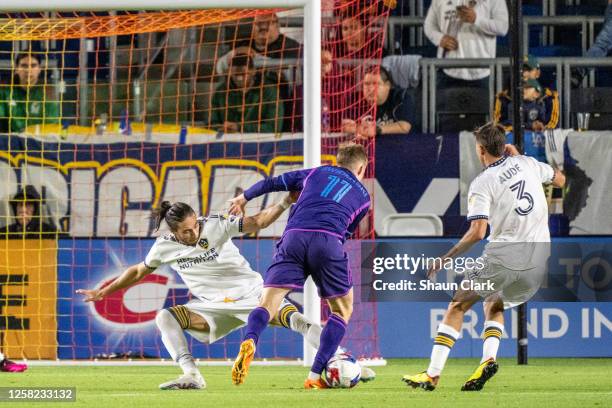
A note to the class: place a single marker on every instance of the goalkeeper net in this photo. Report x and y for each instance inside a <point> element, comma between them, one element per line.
<point>104,115</point>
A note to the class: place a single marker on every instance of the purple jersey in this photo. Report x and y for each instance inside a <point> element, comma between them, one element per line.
<point>332,199</point>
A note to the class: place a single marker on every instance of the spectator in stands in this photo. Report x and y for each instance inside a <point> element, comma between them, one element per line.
<point>536,117</point>
<point>354,32</point>
<point>466,31</point>
<point>600,48</point>
<point>27,209</point>
<point>268,41</point>
<point>394,108</point>
<point>246,102</point>
<point>27,100</point>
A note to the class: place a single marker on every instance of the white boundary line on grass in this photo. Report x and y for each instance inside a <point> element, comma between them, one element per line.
<point>144,363</point>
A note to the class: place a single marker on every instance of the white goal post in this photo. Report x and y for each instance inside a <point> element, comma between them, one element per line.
<point>311,84</point>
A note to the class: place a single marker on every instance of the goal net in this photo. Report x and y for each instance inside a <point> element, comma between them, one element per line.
<point>104,115</point>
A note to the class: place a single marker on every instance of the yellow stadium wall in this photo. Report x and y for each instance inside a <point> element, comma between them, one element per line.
<point>28,298</point>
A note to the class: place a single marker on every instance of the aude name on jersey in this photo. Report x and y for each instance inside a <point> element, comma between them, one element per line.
<point>210,255</point>
<point>507,174</point>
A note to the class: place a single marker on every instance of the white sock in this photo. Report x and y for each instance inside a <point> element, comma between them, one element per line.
<point>492,335</point>
<point>444,341</point>
<point>174,339</point>
<point>311,331</point>
<point>1,356</point>
<point>313,376</point>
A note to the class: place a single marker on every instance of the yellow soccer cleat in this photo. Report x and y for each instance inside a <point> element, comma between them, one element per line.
<point>421,380</point>
<point>483,373</point>
<point>240,369</point>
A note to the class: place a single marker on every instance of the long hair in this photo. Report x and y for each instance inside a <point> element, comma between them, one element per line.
<point>173,214</point>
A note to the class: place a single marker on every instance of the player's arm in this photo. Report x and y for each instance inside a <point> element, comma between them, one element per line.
<point>545,170</point>
<point>263,219</point>
<point>130,276</point>
<point>558,179</point>
<point>476,233</point>
<point>291,181</point>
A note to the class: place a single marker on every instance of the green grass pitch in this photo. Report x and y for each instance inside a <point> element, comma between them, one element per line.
<point>543,383</point>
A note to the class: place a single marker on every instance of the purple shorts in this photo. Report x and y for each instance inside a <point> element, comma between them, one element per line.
<point>300,254</point>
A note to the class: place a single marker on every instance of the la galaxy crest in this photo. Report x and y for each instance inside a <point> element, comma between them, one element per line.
<point>203,243</point>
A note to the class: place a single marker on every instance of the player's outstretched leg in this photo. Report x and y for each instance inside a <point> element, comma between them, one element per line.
<point>8,366</point>
<point>290,318</point>
<point>171,322</point>
<point>443,343</point>
<point>331,336</point>
<point>258,320</point>
<point>448,332</point>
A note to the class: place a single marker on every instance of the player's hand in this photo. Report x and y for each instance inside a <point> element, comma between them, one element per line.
<point>537,126</point>
<point>230,127</point>
<point>349,126</point>
<point>511,150</point>
<point>466,14</point>
<point>237,205</point>
<point>449,43</point>
<point>90,295</point>
<point>367,129</point>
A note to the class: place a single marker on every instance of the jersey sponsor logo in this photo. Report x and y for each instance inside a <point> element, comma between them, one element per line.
<point>185,263</point>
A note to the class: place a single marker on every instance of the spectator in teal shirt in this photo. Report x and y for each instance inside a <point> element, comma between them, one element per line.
<point>27,101</point>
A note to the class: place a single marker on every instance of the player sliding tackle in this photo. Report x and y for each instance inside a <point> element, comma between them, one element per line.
<point>225,287</point>
<point>330,206</point>
<point>509,196</point>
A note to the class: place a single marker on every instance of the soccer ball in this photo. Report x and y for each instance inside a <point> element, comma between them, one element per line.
<point>342,371</point>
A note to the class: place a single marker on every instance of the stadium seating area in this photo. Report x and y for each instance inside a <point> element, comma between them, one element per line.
<point>174,78</point>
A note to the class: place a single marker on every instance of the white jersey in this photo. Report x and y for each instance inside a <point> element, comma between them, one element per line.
<point>476,40</point>
<point>509,194</point>
<point>213,269</point>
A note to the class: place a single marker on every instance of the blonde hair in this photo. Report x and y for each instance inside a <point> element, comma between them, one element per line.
<point>351,155</point>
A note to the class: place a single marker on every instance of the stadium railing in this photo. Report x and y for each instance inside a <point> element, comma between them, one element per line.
<point>563,67</point>
<point>587,24</point>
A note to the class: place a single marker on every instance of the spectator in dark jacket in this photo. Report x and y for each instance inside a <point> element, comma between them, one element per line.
<point>536,116</point>
<point>394,107</point>
<point>29,223</point>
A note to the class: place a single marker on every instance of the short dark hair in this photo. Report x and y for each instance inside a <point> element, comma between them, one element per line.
<point>23,55</point>
<point>242,60</point>
<point>382,71</point>
<point>173,214</point>
<point>492,136</point>
<point>351,155</point>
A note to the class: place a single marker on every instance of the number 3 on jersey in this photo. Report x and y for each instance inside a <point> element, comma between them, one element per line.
<point>333,182</point>
<point>521,194</point>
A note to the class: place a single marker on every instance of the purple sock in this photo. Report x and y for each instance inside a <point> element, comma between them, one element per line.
<point>331,336</point>
<point>258,321</point>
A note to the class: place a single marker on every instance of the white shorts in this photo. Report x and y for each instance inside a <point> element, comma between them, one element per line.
<point>223,317</point>
<point>513,286</point>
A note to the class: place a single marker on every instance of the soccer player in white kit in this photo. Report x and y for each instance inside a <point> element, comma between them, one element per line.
<point>224,286</point>
<point>508,195</point>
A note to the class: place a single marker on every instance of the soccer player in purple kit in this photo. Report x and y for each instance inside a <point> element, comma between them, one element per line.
<point>332,202</point>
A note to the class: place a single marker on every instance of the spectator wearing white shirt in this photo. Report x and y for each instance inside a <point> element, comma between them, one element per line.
<point>466,29</point>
